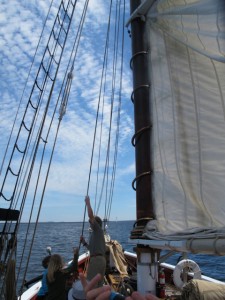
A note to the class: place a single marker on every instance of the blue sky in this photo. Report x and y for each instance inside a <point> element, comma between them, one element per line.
<point>21,24</point>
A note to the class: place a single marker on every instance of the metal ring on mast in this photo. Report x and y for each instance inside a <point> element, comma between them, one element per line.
<point>139,132</point>
<point>137,88</point>
<point>138,227</point>
<point>135,55</point>
<point>139,177</point>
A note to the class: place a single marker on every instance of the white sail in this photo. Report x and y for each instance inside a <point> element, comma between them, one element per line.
<point>187,67</point>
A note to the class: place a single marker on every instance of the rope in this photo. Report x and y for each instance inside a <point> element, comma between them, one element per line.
<point>105,181</point>
<point>65,99</point>
<point>118,121</point>
<point>96,122</point>
<point>13,203</point>
<point>28,76</point>
<point>109,196</point>
<point>39,138</point>
<point>34,153</point>
<point>42,197</point>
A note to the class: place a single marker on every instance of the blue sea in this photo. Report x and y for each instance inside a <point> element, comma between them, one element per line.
<point>62,237</point>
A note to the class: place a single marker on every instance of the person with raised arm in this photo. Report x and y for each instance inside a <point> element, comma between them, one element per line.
<point>96,245</point>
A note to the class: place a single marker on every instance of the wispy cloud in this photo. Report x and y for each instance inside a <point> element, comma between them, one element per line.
<point>20,28</point>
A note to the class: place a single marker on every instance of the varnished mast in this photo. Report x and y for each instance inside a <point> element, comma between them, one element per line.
<point>147,258</point>
<point>142,120</point>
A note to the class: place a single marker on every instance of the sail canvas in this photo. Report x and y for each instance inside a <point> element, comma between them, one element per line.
<point>187,76</point>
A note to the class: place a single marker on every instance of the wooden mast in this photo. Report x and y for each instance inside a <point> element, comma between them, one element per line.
<point>142,120</point>
<point>147,258</point>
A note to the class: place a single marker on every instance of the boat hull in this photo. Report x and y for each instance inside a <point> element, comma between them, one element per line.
<point>113,278</point>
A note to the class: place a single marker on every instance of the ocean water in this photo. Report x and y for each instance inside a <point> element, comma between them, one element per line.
<point>62,237</point>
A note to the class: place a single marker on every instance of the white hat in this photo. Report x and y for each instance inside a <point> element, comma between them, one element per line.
<point>77,291</point>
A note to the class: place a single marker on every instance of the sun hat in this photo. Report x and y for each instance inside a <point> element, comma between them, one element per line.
<point>77,291</point>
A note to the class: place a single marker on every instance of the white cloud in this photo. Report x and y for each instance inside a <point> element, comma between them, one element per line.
<point>20,28</point>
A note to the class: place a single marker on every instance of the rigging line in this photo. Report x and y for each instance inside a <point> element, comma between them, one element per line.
<point>105,75</point>
<point>80,28</point>
<point>40,132</point>
<point>17,192</point>
<point>10,136</point>
<point>29,143</point>
<point>76,43</point>
<point>77,39</point>
<point>99,153</point>
<point>13,205</point>
<point>61,51</point>
<point>21,181</point>
<point>66,95</point>
<point>118,118</point>
<point>70,74</point>
<point>42,196</point>
<point>115,57</point>
<point>25,172</point>
<point>116,44</point>
<point>30,173</point>
<point>97,114</point>
<point>26,190</point>
<point>103,105</point>
<point>28,227</point>
<point>29,176</point>
<point>67,89</point>
<point>39,99</point>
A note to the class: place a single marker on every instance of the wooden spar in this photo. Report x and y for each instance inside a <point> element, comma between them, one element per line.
<point>147,258</point>
<point>142,117</point>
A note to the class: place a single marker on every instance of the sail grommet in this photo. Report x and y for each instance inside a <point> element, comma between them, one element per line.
<point>179,268</point>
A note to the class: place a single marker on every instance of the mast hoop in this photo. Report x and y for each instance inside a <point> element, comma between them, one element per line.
<point>138,134</point>
<point>141,220</point>
<point>137,178</point>
<point>135,55</point>
<point>138,227</point>
<point>137,88</point>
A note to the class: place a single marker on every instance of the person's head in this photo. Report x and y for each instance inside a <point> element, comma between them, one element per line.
<point>77,291</point>
<point>98,220</point>
<point>45,261</point>
<point>55,264</point>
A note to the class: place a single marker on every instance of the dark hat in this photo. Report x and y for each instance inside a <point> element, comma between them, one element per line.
<point>98,220</point>
<point>45,261</point>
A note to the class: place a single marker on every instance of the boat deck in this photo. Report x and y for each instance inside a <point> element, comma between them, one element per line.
<point>121,285</point>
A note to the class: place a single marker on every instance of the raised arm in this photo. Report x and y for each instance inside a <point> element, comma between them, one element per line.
<point>89,209</point>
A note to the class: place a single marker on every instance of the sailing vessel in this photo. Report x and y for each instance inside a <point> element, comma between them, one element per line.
<point>178,67</point>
